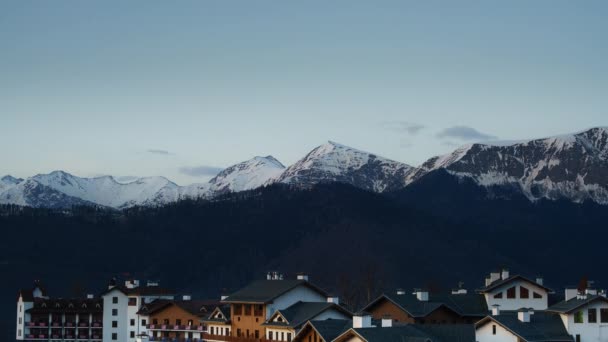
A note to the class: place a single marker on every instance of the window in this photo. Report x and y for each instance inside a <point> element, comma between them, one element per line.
<point>19,320</point>
<point>114,336</point>
<point>178,322</point>
<point>604,315</point>
<point>258,310</point>
<point>256,334</point>
<point>578,338</point>
<point>238,309</point>
<point>190,335</point>
<point>247,309</point>
<point>494,329</point>
<point>166,321</point>
<point>537,295</point>
<point>132,301</point>
<point>524,292</point>
<point>289,337</point>
<point>238,333</point>
<point>247,333</point>
<point>282,336</point>
<point>114,324</point>
<point>143,322</point>
<point>592,315</point>
<point>19,332</point>
<point>132,322</point>
<point>155,321</point>
<point>498,295</point>
<point>190,322</point>
<point>578,316</point>
<point>511,293</point>
<point>132,334</point>
<point>114,300</point>
<point>114,312</point>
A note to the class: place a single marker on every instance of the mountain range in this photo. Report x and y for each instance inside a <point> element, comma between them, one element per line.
<point>571,167</point>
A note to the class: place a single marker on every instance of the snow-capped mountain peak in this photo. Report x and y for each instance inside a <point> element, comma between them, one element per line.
<point>247,175</point>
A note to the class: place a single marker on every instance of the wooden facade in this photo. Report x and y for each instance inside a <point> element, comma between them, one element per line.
<point>174,322</point>
<point>247,320</point>
<point>442,315</point>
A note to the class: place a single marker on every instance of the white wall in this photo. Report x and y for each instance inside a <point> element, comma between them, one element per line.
<point>22,317</point>
<point>300,293</point>
<point>121,330</point>
<point>518,303</point>
<point>285,331</point>
<point>588,331</point>
<point>484,334</point>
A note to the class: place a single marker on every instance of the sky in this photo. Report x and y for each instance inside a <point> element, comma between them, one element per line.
<point>182,89</point>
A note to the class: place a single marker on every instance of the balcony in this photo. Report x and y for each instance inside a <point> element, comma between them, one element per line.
<point>69,324</point>
<point>56,324</point>
<point>55,336</point>
<point>97,325</point>
<point>96,337</point>
<point>83,336</point>
<point>83,324</point>
<point>172,327</point>
<point>174,339</point>
<point>209,337</point>
<point>37,336</point>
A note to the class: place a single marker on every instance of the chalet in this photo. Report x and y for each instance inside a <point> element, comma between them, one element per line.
<point>25,301</point>
<point>424,308</point>
<point>322,331</point>
<point>176,319</point>
<point>584,316</point>
<point>513,292</point>
<point>524,325</point>
<point>364,331</point>
<point>121,317</point>
<point>253,305</point>
<point>284,324</point>
<point>218,323</point>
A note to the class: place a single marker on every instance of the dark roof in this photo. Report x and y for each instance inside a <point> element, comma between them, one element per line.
<point>76,305</point>
<point>195,307</point>
<point>543,326</point>
<point>501,282</point>
<point>298,313</point>
<point>462,304</point>
<point>28,294</point>
<point>265,291</point>
<point>329,329</point>
<point>224,309</point>
<point>142,291</point>
<point>567,306</point>
<point>418,333</point>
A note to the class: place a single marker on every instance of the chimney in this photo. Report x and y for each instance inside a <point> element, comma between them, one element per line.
<point>112,283</point>
<point>223,297</point>
<point>523,315</point>
<point>494,276</point>
<point>539,280</point>
<point>269,276</point>
<point>90,296</point>
<point>333,299</point>
<point>387,322</point>
<point>131,284</point>
<point>460,289</point>
<point>570,293</point>
<point>186,297</point>
<point>362,320</point>
<point>495,310</point>
<point>400,292</point>
<point>152,283</point>
<point>488,281</point>
<point>422,295</point>
<point>303,276</point>
<point>505,274</point>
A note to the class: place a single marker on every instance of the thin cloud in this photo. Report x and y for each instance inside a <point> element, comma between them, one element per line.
<point>465,133</point>
<point>403,127</point>
<point>200,171</point>
<point>161,152</point>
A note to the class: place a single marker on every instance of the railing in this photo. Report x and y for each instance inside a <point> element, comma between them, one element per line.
<point>174,339</point>
<point>56,324</point>
<point>233,338</point>
<point>83,324</point>
<point>70,324</point>
<point>97,325</point>
<point>170,327</point>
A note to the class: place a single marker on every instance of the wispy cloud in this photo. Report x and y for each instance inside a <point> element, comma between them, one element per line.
<point>161,152</point>
<point>200,171</point>
<point>403,127</point>
<point>464,133</point>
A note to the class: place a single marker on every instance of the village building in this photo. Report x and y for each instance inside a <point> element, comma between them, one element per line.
<point>421,307</point>
<point>513,292</point>
<point>584,316</point>
<point>218,324</point>
<point>322,331</point>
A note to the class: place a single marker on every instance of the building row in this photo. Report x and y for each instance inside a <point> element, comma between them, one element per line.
<point>506,308</point>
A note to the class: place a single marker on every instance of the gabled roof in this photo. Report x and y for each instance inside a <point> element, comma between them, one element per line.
<point>199,308</point>
<point>141,291</point>
<point>298,313</point>
<point>543,326</point>
<point>76,305</point>
<point>568,306</point>
<point>415,333</point>
<point>265,291</point>
<point>501,282</point>
<point>328,329</point>
<point>224,310</point>
<point>155,305</point>
<point>461,304</point>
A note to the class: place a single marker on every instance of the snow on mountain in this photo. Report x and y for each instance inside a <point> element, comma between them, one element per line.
<point>32,193</point>
<point>333,162</point>
<point>247,175</point>
<point>573,166</point>
<point>8,181</point>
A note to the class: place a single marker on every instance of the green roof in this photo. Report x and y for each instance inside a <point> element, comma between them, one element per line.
<point>419,333</point>
<point>567,306</point>
<point>462,304</point>
<point>298,313</point>
<point>265,291</point>
<point>543,326</point>
<point>329,329</point>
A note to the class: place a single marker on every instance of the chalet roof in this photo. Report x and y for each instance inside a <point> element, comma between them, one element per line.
<point>298,313</point>
<point>543,326</point>
<point>28,294</point>
<point>224,309</point>
<point>265,291</point>
<point>462,304</point>
<point>568,306</point>
<point>329,329</point>
<point>76,305</point>
<point>195,307</point>
<point>501,282</point>
<point>417,333</point>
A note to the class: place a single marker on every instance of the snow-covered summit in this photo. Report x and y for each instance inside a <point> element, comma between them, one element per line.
<point>246,175</point>
<point>334,162</point>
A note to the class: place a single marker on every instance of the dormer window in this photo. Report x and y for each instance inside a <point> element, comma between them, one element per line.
<point>524,292</point>
<point>98,306</point>
<point>498,295</point>
<point>71,305</point>
<point>511,293</point>
<point>57,305</point>
<point>84,305</point>
<point>43,305</point>
<point>537,295</point>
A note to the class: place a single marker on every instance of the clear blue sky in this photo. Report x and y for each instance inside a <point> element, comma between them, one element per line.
<point>107,87</point>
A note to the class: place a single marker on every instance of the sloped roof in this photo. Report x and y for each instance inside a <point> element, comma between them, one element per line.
<point>329,329</point>
<point>501,282</point>
<point>543,326</point>
<point>265,291</point>
<point>194,307</point>
<point>76,305</point>
<point>567,306</point>
<point>155,305</point>
<point>462,304</point>
<point>417,333</point>
<point>224,309</point>
<point>298,313</point>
